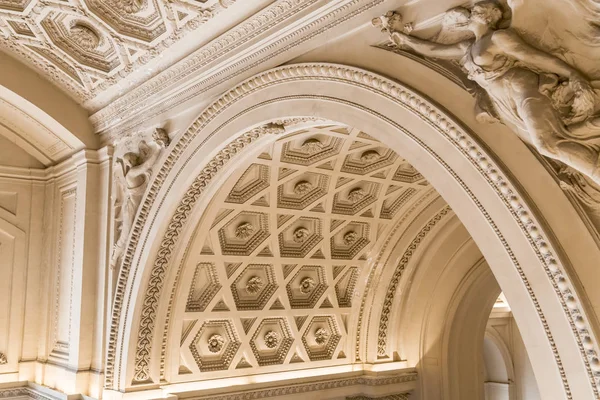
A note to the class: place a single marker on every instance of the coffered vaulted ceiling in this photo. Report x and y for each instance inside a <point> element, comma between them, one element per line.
<point>105,47</point>
<point>276,271</point>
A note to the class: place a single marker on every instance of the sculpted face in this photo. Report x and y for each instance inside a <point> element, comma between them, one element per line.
<point>486,13</point>
<point>130,160</point>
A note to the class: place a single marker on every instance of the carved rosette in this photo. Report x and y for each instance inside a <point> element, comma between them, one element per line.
<point>370,156</point>
<point>215,343</point>
<point>244,230</point>
<point>312,146</point>
<point>321,336</point>
<point>84,36</point>
<point>350,237</point>
<point>301,234</point>
<point>356,195</point>
<point>254,285</point>
<point>303,187</point>
<point>271,339</point>
<point>307,285</point>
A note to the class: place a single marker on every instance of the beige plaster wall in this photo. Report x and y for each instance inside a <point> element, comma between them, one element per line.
<point>28,84</point>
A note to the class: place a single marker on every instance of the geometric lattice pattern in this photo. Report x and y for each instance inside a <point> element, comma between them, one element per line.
<point>285,246</point>
<point>205,286</point>
<point>321,337</point>
<point>89,47</point>
<point>210,357</point>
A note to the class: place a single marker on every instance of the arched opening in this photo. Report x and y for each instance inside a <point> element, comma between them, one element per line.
<point>496,376</point>
<point>489,204</point>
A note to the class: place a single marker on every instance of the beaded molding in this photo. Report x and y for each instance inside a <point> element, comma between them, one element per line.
<point>446,127</point>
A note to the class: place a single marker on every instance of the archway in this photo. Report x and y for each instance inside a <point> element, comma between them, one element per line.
<point>519,250</point>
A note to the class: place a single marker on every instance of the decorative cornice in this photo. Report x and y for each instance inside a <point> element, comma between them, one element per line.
<point>399,396</point>
<point>134,108</point>
<point>228,43</point>
<point>459,138</point>
<point>26,391</point>
<point>316,386</point>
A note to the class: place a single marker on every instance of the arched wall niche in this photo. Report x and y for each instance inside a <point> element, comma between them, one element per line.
<point>521,252</point>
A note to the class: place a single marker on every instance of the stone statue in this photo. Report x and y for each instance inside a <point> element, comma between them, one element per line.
<point>548,103</point>
<point>131,177</point>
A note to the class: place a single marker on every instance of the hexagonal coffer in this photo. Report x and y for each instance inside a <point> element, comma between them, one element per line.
<point>244,233</point>
<point>321,337</point>
<point>366,161</point>
<point>307,151</point>
<point>298,193</point>
<point>215,345</point>
<point>300,237</point>
<point>306,287</point>
<point>271,341</point>
<point>350,240</point>
<point>254,287</point>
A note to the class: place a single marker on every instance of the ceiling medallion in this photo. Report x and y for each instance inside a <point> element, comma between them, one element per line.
<point>244,230</point>
<point>350,237</point>
<point>254,285</point>
<point>356,195</point>
<point>370,156</point>
<point>130,6</point>
<point>312,146</point>
<point>307,285</point>
<point>321,336</point>
<point>303,187</point>
<point>271,339</point>
<point>301,234</point>
<point>85,37</point>
<point>215,343</point>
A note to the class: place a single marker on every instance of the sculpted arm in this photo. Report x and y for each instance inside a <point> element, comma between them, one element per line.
<point>431,49</point>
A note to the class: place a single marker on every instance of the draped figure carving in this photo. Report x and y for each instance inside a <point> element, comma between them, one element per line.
<point>131,177</point>
<point>548,103</point>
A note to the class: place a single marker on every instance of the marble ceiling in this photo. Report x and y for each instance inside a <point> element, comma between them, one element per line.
<point>105,47</point>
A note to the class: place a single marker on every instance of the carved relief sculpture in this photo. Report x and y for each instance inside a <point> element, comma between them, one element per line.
<point>254,285</point>
<point>548,103</point>
<point>307,285</point>
<point>131,177</point>
<point>271,339</point>
<point>3,359</point>
<point>321,336</point>
<point>215,343</point>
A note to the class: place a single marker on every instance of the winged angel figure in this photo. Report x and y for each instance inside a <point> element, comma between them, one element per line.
<point>131,177</point>
<point>548,103</point>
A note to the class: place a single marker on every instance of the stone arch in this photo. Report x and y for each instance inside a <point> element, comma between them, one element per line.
<point>35,131</point>
<point>524,255</point>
